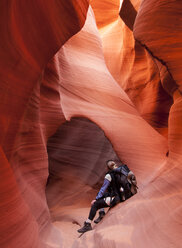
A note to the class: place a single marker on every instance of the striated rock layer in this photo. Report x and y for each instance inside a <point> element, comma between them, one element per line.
<point>77,154</point>
<point>167,36</point>
<point>88,90</point>
<point>138,66</point>
<point>66,108</point>
<point>134,68</point>
<point>31,33</point>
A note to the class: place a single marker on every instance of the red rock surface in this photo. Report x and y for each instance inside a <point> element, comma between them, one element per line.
<point>111,88</point>
<point>133,67</point>
<point>100,99</point>
<point>165,34</point>
<point>31,33</point>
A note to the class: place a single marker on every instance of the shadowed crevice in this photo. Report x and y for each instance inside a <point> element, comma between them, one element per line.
<point>77,153</point>
<point>168,82</point>
<point>128,13</point>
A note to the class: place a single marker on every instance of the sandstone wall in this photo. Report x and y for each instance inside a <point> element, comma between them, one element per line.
<point>122,76</point>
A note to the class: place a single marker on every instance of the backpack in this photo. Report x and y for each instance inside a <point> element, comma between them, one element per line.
<point>125,181</point>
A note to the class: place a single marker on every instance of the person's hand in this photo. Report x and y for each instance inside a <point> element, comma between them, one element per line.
<point>92,202</point>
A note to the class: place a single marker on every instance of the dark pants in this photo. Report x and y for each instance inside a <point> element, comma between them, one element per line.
<point>100,203</point>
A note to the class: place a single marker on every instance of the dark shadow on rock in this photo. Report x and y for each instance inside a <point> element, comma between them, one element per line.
<point>128,13</point>
<point>77,153</point>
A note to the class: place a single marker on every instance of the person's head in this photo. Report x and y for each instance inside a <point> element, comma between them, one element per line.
<point>111,164</point>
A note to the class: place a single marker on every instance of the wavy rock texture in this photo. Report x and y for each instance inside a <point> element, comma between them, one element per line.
<point>167,36</point>
<point>77,154</point>
<point>31,33</point>
<point>55,85</point>
<point>133,67</point>
<point>139,67</point>
<point>164,42</point>
<point>88,90</point>
<point>109,106</point>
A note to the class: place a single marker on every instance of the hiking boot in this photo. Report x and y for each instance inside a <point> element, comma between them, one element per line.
<point>85,228</point>
<point>101,215</point>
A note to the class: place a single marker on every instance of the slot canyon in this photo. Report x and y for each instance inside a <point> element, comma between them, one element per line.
<point>82,82</point>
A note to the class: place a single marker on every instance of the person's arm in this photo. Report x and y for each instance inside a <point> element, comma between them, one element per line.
<point>104,187</point>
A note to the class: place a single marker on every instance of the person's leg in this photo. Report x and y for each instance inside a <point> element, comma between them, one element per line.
<point>101,216</point>
<point>115,201</point>
<point>87,224</point>
<point>111,202</point>
<point>101,210</point>
<point>97,205</point>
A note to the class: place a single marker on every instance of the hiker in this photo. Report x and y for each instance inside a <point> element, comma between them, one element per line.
<point>108,196</point>
<point>126,181</point>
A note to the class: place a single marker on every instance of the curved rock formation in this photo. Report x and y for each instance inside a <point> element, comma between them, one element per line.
<point>31,33</point>
<point>105,11</point>
<point>164,42</point>
<point>88,90</point>
<point>133,67</point>
<point>164,18</point>
<point>65,91</point>
<point>77,153</point>
<point>77,147</point>
<point>100,99</point>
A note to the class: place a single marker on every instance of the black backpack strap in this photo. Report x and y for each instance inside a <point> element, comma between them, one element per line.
<point>122,169</point>
<point>115,182</point>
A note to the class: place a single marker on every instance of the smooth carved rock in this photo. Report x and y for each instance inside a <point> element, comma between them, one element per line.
<point>135,70</point>
<point>88,90</point>
<point>79,148</point>
<point>77,154</point>
<point>45,84</point>
<point>164,42</point>
<point>158,26</point>
<point>31,33</point>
